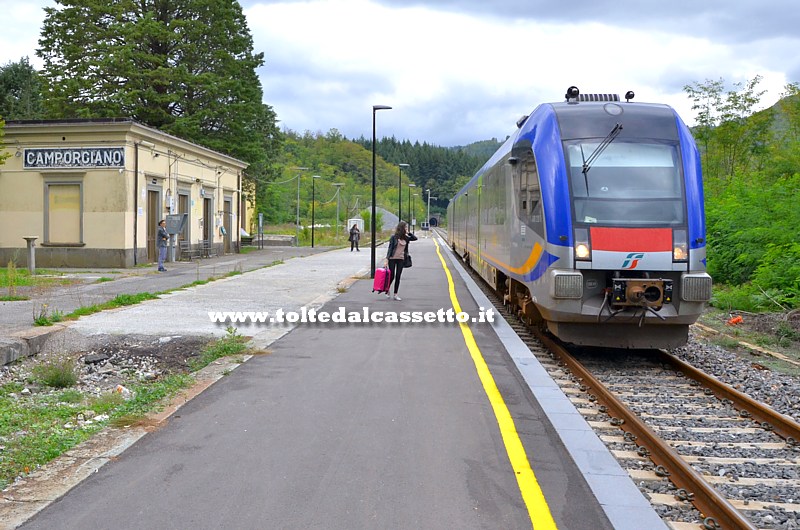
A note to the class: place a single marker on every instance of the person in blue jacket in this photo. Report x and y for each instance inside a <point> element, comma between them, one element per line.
<point>162,238</point>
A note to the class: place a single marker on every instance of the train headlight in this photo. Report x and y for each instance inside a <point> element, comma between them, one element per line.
<point>583,248</point>
<point>680,249</point>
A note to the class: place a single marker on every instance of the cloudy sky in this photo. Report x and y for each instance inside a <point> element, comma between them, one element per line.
<point>458,71</point>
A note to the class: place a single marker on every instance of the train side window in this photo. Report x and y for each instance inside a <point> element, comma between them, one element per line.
<point>529,192</point>
<point>516,174</point>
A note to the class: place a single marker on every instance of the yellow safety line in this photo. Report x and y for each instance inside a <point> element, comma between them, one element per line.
<point>538,510</point>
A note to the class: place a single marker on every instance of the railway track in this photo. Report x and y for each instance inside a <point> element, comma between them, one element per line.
<point>706,455</point>
<point>734,469</point>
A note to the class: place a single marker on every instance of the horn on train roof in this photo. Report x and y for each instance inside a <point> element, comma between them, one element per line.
<point>574,95</point>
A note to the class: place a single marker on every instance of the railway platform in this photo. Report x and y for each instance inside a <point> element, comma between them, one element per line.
<point>353,420</point>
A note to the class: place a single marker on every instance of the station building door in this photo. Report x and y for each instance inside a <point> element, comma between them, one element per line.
<point>153,211</point>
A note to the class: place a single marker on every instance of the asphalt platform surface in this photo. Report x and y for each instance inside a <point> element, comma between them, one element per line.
<point>341,425</point>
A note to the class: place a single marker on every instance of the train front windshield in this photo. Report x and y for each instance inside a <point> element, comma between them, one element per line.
<point>625,183</point>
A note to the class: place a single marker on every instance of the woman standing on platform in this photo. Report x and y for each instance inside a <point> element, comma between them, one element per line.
<point>398,254</point>
<point>355,235</point>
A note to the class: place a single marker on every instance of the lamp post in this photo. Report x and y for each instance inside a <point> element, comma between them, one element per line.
<point>400,192</point>
<point>312,208</point>
<point>413,211</point>
<point>297,218</point>
<point>375,108</point>
<point>428,215</point>
<point>338,189</point>
<point>412,185</point>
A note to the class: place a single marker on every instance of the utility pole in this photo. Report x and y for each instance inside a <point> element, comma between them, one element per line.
<point>338,189</point>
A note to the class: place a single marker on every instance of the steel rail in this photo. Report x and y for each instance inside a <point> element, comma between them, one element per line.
<point>700,493</point>
<point>769,419</point>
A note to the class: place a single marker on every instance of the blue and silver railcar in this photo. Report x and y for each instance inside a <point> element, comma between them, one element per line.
<point>589,219</point>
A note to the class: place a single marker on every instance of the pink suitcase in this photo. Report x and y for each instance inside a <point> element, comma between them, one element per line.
<point>382,281</point>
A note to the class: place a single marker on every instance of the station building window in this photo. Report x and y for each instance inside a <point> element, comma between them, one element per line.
<point>63,213</point>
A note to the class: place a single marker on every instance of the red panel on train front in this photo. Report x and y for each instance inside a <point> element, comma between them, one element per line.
<point>632,239</point>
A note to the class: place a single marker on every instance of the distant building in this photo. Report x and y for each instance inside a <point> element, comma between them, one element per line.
<point>93,192</point>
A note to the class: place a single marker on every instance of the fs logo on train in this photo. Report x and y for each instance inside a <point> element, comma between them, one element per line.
<point>632,260</point>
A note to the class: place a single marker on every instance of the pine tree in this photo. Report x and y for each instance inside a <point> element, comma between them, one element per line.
<point>186,67</point>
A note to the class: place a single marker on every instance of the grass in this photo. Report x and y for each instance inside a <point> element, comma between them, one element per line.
<point>732,338</point>
<point>58,373</point>
<point>726,342</point>
<point>104,279</point>
<point>14,277</point>
<point>146,398</point>
<point>323,236</point>
<point>14,298</point>
<point>46,318</point>
<point>231,344</point>
<point>121,300</point>
<point>37,428</point>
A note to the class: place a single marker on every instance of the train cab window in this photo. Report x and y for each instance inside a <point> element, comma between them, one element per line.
<point>630,182</point>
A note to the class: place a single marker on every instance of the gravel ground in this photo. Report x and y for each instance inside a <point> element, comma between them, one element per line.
<point>779,391</point>
<point>103,362</point>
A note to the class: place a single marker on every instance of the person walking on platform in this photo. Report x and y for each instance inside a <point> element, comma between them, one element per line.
<point>162,237</point>
<point>397,256</point>
<point>355,235</point>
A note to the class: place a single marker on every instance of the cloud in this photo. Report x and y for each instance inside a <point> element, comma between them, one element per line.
<point>722,20</point>
<point>457,77</point>
<point>457,71</point>
<point>20,35</point>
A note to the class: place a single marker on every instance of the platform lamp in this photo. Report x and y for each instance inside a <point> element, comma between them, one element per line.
<point>313,222</point>
<point>413,210</point>
<point>400,192</point>
<point>412,185</point>
<point>375,108</point>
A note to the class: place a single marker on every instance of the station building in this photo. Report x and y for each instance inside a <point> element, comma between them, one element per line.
<point>93,192</point>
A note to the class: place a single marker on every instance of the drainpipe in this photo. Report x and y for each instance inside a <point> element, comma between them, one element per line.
<point>239,209</point>
<point>135,200</point>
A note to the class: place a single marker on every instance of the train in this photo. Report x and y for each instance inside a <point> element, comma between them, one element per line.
<point>589,221</point>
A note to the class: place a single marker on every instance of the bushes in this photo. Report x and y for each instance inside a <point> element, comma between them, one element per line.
<point>754,244</point>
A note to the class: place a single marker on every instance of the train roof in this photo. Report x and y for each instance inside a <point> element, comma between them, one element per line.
<point>590,119</point>
<point>596,119</point>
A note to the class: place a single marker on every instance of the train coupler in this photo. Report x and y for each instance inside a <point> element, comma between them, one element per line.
<point>649,293</point>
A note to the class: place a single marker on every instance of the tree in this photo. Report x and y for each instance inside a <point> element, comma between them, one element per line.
<point>731,136</point>
<point>3,154</point>
<point>186,67</point>
<point>20,91</point>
